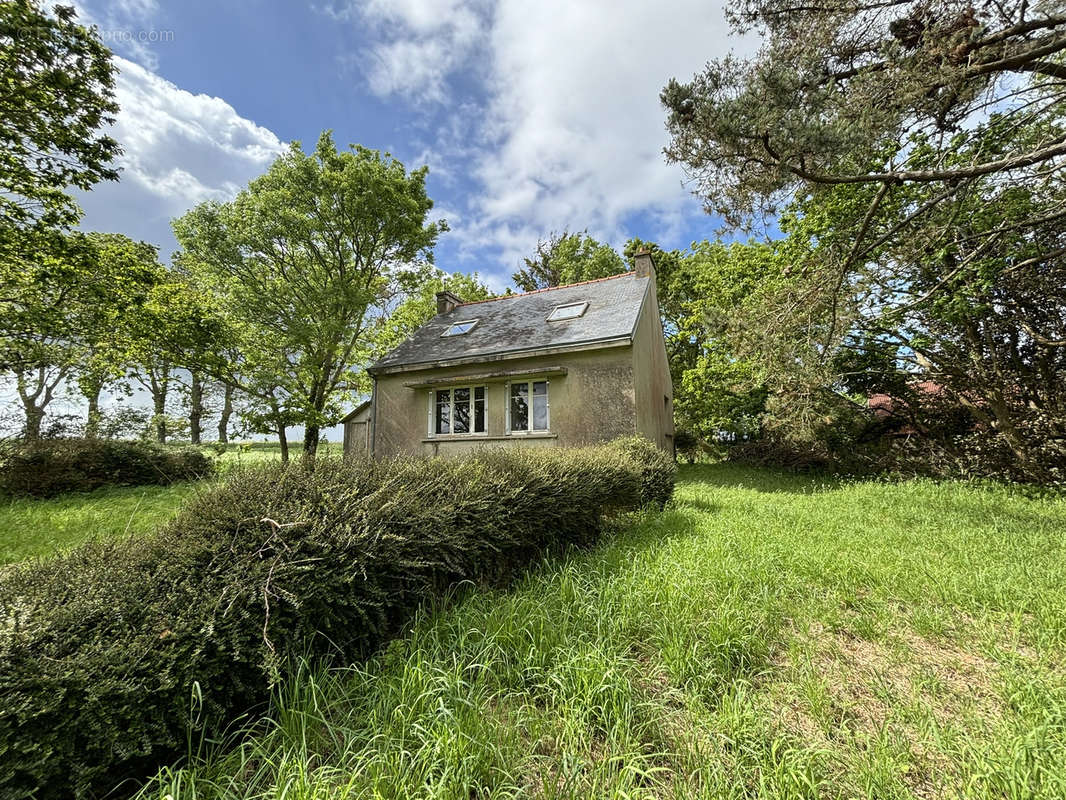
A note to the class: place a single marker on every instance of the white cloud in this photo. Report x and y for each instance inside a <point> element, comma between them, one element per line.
<point>420,43</point>
<point>180,149</point>
<point>576,103</point>
<point>128,27</point>
<point>572,133</point>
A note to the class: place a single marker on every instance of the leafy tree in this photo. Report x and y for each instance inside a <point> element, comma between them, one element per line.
<point>58,91</point>
<point>421,306</point>
<point>111,326</point>
<point>76,324</point>
<point>58,81</point>
<point>567,258</point>
<point>840,92</point>
<point>715,390</point>
<point>919,148</point>
<point>307,257</point>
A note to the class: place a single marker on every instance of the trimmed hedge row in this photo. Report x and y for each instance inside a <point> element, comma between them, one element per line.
<point>109,655</point>
<point>49,467</point>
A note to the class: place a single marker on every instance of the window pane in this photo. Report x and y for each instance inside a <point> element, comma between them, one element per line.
<point>479,409</point>
<point>540,406</point>
<point>568,311</point>
<point>519,406</point>
<point>459,328</point>
<point>443,412</point>
<point>461,419</point>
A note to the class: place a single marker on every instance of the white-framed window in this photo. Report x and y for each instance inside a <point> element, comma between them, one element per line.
<point>459,328</point>
<point>568,311</point>
<point>458,411</point>
<point>527,406</point>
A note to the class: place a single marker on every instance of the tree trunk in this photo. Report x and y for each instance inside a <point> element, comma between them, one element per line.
<point>227,412</point>
<point>34,418</point>
<point>284,442</point>
<point>310,442</point>
<point>92,419</point>
<point>159,384</point>
<point>35,402</point>
<point>196,407</point>
<point>159,405</point>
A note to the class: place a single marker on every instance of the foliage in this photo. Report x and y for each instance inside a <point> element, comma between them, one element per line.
<point>687,444</point>
<point>771,636</point>
<point>58,81</point>
<point>716,390</point>
<point>920,148</point>
<point>58,92</point>
<point>109,654</point>
<point>839,93</point>
<point>305,258</point>
<point>114,328</point>
<point>49,467</point>
<point>421,306</point>
<point>565,258</point>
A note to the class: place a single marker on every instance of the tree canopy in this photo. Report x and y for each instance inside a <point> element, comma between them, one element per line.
<point>58,91</point>
<point>308,257</point>
<point>842,93</point>
<point>565,258</point>
<point>912,155</point>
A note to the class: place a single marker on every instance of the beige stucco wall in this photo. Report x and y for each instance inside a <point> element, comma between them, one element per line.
<point>593,402</point>
<point>652,386</point>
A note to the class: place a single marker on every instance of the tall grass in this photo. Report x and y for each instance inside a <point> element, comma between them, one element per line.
<point>768,636</point>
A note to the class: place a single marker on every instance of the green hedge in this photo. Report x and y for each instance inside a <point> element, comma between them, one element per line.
<point>49,467</point>
<point>109,655</point>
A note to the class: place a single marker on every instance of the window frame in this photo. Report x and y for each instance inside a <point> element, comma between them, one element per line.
<point>584,304</point>
<point>529,430</point>
<point>473,401</point>
<point>473,323</point>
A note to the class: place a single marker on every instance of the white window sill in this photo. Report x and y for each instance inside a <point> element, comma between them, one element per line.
<point>480,437</point>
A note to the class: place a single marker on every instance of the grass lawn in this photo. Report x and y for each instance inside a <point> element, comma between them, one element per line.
<point>767,636</point>
<point>30,527</point>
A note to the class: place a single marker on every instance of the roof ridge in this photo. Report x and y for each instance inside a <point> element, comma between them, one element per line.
<point>547,289</point>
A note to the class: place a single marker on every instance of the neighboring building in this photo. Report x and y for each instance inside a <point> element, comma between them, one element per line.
<point>357,429</point>
<point>570,365</point>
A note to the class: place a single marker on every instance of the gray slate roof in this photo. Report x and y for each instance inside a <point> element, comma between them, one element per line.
<point>518,323</point>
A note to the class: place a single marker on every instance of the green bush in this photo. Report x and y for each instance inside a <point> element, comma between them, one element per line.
<point>110,655</point>
<point>49,467</point>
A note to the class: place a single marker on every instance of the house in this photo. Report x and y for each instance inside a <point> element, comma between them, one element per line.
<point>564,366</point>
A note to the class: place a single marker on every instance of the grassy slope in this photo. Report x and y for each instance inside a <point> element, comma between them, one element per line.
<point>767,637</point>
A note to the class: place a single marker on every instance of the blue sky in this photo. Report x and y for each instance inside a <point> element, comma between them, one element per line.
<point>532,117</point>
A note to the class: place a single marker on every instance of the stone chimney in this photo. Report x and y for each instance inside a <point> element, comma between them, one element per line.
<point>643,265</point>
<point>446,301</point>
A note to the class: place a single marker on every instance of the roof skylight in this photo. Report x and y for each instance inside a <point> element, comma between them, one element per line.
<point>459,328</point>
<point>568,311</point>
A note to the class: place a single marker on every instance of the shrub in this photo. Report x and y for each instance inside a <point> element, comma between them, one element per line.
<point>49,467</point>
<point>687,444</point>
<point>111,654</point>
<point>657,471</point>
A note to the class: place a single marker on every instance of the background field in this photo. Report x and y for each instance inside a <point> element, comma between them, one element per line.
<point>768,636</point>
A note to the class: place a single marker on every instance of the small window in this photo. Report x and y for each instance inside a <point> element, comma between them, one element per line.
<point>569,311</point>
<point>527,407</point>
<point>457,411</point>
<point>459,328</point>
